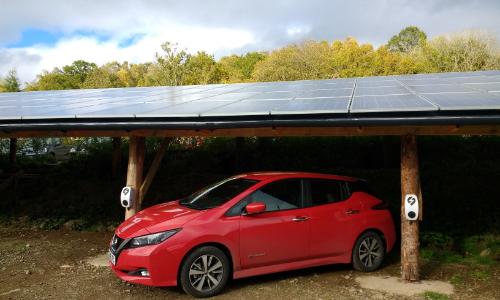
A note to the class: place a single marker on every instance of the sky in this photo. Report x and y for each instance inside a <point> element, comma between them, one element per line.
<point>40,35</point>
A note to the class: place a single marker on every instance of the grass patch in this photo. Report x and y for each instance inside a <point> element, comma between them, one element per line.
<point>435,296</point>
<point>456,279</point>
<point>481,274</point>
<point>471,250</point>
<point>442,256</point>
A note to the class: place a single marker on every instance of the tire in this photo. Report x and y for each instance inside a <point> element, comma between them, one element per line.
<point>196,278</point>
<point>369,252</point>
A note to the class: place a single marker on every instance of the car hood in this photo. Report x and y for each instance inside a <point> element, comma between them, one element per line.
<point>161,217</point>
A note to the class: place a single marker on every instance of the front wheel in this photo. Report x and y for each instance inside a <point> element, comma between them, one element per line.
<point>368,252</point>
<point>205,272</point>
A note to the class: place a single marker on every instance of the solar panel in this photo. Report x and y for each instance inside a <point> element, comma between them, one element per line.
<point>390,103</point>
<point>470,101</point>
<point>421,93</point>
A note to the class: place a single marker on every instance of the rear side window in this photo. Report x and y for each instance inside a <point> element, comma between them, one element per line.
<point>359,186</point>
<point>324,191</point>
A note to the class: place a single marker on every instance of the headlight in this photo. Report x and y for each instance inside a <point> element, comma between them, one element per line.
<point>151,239</point>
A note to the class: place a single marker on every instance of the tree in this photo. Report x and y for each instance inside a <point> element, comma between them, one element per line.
<point>55,80</point>
<point>239,68</point>
<point>10,83</point>
<point>201,69</point>
<point>407,39</point>
<point>79,70</point>
<point>69,77</point>
<point>350,59</point>
<point>308,60</point>
<point>466,51</point>
<point>169,68</point>
<point>105,76</point>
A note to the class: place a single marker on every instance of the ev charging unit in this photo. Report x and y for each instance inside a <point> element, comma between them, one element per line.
<point>127,196</point>
<point>411,207</point>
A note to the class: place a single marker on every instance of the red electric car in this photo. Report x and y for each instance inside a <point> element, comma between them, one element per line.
<point>253,224</point>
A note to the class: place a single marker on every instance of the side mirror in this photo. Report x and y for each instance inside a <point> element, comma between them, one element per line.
<point>255,208</point>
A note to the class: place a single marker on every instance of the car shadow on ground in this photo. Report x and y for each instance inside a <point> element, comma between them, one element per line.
<point>389,267</point>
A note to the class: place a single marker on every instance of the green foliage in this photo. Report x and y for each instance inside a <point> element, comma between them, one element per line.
<point>239,68</point>
<point>104,77</point>
<point>309,60</point>
<point>351,59</point>
<point>202,69</point>
<point>169,68</point>
<point>69,77</point>
<point>468,51</point>
<point>435,296</point>
<point>475,249</point>
<point>10,83</point>
<point>79,70</point>
<point>436,240</point>
<point>407,39</point>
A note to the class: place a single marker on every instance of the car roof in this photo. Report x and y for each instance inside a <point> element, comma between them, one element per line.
<point>274,175</point>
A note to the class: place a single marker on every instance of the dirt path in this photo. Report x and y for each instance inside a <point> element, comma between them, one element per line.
<point>38,264</point>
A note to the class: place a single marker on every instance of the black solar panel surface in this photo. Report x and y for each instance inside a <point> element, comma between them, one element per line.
<point>466,91</point>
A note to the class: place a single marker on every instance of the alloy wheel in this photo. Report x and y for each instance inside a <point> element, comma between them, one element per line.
<point>369,251</point>
<point>205,273</point>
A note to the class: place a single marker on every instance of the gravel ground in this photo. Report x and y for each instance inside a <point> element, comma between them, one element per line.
<point>38,264</point>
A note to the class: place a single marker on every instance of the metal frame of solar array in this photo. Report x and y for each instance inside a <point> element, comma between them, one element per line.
<point>424,97</point>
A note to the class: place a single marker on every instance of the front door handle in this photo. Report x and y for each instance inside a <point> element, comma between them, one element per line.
<point>300,219</point>
<point>351,211</point>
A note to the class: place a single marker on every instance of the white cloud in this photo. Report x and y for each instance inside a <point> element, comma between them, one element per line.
<point>30,61</point>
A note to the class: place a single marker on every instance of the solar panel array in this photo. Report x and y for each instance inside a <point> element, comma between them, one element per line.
<point>405,93</point>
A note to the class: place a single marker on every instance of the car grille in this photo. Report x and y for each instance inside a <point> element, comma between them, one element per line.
<point>116,243</point>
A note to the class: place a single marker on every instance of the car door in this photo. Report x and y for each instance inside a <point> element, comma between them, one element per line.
<point>333,214</point>
<point>281,233</point>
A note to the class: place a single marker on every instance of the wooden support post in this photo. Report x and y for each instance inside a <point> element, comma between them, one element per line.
<point>117,157</point>
<point>12,155</point>
<point>134,171</point>
<point>409,229</point>
<point>155,165</point>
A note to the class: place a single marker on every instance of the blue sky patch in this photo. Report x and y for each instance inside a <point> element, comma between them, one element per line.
<point>130,40</point>
<point>33,36</point>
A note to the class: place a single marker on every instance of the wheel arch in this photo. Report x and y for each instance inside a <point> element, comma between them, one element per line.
<point>377,231</point>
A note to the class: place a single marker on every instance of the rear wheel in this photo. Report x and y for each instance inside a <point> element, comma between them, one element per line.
<point>205,272</point>
<point>368,252</point>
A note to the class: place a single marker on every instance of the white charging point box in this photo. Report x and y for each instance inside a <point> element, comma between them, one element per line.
<point>127,197</point>
<point>411,207</point>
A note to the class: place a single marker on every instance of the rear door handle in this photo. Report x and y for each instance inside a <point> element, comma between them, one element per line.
<point>351,211</point>
<point>300,219</point>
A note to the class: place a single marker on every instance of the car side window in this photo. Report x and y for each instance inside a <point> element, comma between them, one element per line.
<point>278,195</point>
<point>324,191</point>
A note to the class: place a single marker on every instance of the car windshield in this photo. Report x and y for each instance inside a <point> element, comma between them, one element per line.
<point>218,193</point>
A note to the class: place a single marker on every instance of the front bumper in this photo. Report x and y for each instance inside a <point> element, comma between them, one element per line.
<point>161,264</point>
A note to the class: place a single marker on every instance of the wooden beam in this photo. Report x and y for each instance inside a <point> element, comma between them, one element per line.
<point>117,157</point>
<point>409,229</point>
<point>134,171</point>
<point>435,130</point>
<point>12,155</point>
<point>155,165</point>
